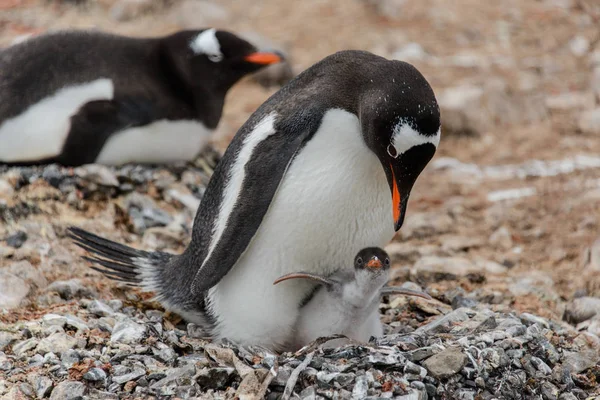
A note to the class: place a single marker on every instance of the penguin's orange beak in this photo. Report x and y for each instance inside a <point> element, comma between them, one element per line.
<point>398,206</point>
<point>374,263</point>
<point>264,58</point>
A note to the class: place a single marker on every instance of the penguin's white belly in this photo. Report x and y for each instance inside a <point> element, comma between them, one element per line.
<point>162,141</point>
<point>41,130</point>
<point>333,201</point>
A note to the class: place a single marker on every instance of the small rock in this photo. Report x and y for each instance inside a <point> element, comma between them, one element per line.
<point>128,375</point>
<point>13,290</point>
<point>570,101</point>
<point>445,364</point>
<point>70,289</point>
<point>501,238</point>
<point>41,384</point>
<point>23,347</point>
<point>100,309</point>
<point>194,14</point>
<point>128,332</point>
<point>126,10</point>
<point>95,375</point>
<point>460,106</point>
<point>6,339</point>
<point>17,239</point>
<point>549,391</point>
<point>98,174</point>
<point>410,52</point>
<point>578,362</point>
<point>54,320</point>
<point>6,363</point>
<point>68,390</point>
<point>144,212</point>
<point>579,46</point>
<point>24,270</point>
<point>76,323</point>
<point>422,225</point>
<point>589,121</point>
<point>56,343</point>
<point>581,309</point>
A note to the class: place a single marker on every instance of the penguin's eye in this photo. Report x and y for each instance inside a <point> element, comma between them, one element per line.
<point>359,261</point>
<point>387,261</point>
<point>392,151</point>
<point>215,57</point>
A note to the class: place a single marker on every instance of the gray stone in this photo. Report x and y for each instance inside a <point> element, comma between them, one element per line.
<point>579,362</point>
<point>69,357</point>
<point>128,375</point>
<point>6,339</point>
<point>6,363</point>
<point>68,390</point>
<point>24,346</point>
<point>24,270</point>
<point>54,320</point>
<point>76,323</point>
<point>361,387</point>
<point>13,290</point>
<point>126,10</point>
<point>41,384</point>
<point>445,323</point>
<point>164,353</point>
<point>589,121</point>
<point>549,391</point>
<point>582,309</point>
<point>128,332</point>
<point>100,308</point>
<point>56,343</point>
<point>17,239</point>
<point>70,289</point>
<point>445,364</point>
<point>97,174</point>
<point>95,375</point>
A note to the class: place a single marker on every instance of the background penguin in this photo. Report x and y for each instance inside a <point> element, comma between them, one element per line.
<point>77,97</point>
<point>346,302</point>
<point>321,170</point>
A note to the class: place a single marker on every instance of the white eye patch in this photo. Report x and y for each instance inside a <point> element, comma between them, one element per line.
<point>207,43</point>
<point>405,137</point>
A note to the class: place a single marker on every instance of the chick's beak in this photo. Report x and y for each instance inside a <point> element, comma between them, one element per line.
<point>374,263</point>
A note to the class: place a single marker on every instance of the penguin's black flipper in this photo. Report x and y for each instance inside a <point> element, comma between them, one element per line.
<point>120,262</point>
<point>276,145</point>
<point>96,121</point>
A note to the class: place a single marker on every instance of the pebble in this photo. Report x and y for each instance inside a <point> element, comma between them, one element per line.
<point>128,332</point>
<point>17,239</point>
<point>582,309</point>
<point>56,343</point>
<point>13,290</point>
<point>589,121</point>
<point>68,390</point>
<point>41,384</point>
<point>100,308</point>
<point>95,375</point>
<point>69,289</point>
<point>446,363</point>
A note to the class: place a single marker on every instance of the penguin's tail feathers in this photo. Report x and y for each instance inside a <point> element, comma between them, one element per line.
<point>119,262</point>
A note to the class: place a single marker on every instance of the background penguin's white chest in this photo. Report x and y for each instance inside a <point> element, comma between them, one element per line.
<point>333,201</point>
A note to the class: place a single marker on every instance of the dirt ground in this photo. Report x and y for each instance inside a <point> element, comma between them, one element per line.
<point>523,55</point>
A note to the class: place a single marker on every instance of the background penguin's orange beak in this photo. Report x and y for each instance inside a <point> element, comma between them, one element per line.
<point>263,58</point>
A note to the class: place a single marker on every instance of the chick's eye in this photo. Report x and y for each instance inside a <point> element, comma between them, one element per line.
<point>392,151</point>
<point>387,261</point>
<point>359,260</point>
<point>215,57</point>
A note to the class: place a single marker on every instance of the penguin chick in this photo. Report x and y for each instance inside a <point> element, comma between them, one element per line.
<point>78,97</point>
<point>345,301</point>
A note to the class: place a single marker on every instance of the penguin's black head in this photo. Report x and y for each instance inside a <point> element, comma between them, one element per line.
<point>372,259</point>
<point>217,58</point>
<point>400,120</point>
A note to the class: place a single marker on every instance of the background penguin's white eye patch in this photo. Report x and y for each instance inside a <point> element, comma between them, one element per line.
<point>215,57</point>
<point>392,151</point>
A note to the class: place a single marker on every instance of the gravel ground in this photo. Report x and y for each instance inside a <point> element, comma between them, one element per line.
<point>502,227</point>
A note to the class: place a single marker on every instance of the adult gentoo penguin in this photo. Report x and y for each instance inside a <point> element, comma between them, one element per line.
<point>77,97</point>
<point>346,302</point>
<point>321,170</point>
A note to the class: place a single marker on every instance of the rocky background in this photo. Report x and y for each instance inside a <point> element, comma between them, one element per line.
<point>502,229</point>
